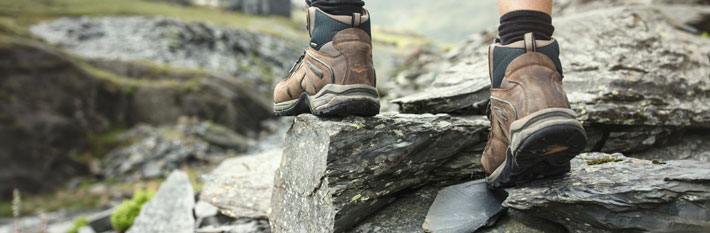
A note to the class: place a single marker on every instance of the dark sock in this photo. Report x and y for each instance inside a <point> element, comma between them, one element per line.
<point>338,7</point>
<point>514,25</point>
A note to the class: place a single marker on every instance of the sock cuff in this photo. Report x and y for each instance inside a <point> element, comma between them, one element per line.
<point>528,14</point>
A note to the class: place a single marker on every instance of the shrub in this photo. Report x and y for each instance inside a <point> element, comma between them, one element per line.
<point>122,217</point>
<point>79,223</point>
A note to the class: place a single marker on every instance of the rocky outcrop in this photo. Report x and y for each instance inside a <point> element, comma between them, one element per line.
<point>155,152</point>
<point>649,82</point>
<point>170,210</point>
<point>241,187</point>
<point>57,104</point>
<point>335,172</point>
<point>605,193</point>
<point>256,57</point>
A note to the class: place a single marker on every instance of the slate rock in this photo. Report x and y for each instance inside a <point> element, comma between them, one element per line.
<point>170,210</point>
<point>406,214</point>
<point>623,194</point>
<point>336,172</point>
<point>695,146</point>
<point>241,187</point>
<point>152,152</point>
<point>515,221</point>
<point>464,208</point>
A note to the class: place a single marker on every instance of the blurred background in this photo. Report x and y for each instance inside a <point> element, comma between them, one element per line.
<point>101,99</point>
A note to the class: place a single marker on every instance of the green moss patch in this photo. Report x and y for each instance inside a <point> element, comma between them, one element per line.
<point>603,161</point>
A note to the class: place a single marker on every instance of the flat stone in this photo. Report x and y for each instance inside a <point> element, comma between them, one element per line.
<point>336,172</point>
<point>464,208</point>
<point>626,195</point>
<point>242,186</point>
<point>170,210</point>
<point>406,214</point>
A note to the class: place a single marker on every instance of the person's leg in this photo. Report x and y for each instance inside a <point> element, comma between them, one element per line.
<point>534,133</point>
<point>518,17</point>
<point>338,7</point>
<point>335,75</point>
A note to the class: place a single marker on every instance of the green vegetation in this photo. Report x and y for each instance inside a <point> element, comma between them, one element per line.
<point>705,35</point>
<point>79,223</point>
<point>604,160</point>
<point>122,217</point>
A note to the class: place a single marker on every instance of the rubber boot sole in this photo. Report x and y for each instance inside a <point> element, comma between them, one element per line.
<point>333,100</point>
<point>542,145</point>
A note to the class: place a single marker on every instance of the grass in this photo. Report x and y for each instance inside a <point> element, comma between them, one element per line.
<point>84,197</point>
<point>28,12</point>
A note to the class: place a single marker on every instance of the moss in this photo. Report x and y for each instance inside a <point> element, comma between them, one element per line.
<point>99,144</point>
<point>122,218</point>
<point>78,223</point>
<point>604,160</point>
<point>658,162</point>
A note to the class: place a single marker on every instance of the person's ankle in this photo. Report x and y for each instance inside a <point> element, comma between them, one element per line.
<point>515,24</point>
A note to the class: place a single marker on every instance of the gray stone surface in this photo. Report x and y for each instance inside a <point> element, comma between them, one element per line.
<point>155,151</point>
<point>464,208</point>
<point>695,146</point>
<point>336,172</point>
<point>406,214</point>
<point>241,187</point>
<point>254,56</point>
<point>627,195</point>
<point>170,210</point>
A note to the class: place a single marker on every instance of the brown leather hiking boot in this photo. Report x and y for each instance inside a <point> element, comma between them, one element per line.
<point>534,133</point>
<point>335,75</point>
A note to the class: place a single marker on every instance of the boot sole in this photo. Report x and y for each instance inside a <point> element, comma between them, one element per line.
<point>334,100</point>
<point>542,145</point>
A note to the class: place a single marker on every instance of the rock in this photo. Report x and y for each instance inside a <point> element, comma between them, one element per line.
<point>86,229</point>
<point>154,152</point>
<point>241,187</point>
<point>621,194</point>
<point>257,57</point>
<point>695,146</point>
<point>204,209</point>
<point>514,221</point>
<point>101,222</point>
<point>406,214</point>
<point>265,7</point>
<point>238,226</point>
<point>170,210</point>
<point>45,111</point>
<point>336,172</point>
<point>464,208</point>
<point>649,84</point>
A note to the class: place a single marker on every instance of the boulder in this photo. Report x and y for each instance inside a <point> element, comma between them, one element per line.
<point>336,172</point>
<point>610,193</point>
<point>170,210</point>
<point>649,82</point>
<point>241,187</point>
<point>153,152</point>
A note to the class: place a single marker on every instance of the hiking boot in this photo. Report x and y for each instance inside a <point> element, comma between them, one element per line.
<point>335,75</point>
<point>534,133</point>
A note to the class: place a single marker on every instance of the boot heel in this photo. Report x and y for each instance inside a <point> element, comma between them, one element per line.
<point>340,100</point>
<point>542,145</point>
